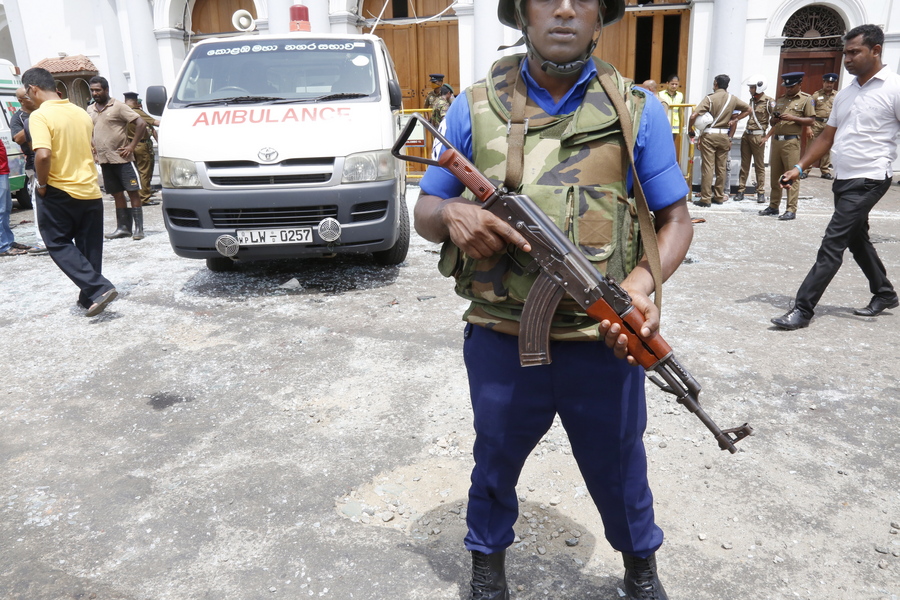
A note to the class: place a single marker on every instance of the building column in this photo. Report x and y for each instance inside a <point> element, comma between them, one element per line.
<point>727,41</point>
<point>171,48</point>
<point>143,58</point>
<point>465,11</point>
<point>489,34</point>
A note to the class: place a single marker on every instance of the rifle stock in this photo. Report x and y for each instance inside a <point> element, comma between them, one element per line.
<point>565,270</point>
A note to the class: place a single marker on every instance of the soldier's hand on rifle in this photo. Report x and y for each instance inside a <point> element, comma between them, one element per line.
<point>477,232</point>
<point>617,340</point>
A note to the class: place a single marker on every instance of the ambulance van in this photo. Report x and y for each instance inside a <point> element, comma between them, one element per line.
<point>280,146</point>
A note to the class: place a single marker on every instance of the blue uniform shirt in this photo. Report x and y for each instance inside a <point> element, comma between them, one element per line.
<point>654,153</point>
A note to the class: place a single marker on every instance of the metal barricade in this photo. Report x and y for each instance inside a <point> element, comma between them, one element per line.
<point>419,144</point>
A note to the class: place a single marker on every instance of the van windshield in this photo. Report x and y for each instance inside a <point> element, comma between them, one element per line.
<point>273,70</point>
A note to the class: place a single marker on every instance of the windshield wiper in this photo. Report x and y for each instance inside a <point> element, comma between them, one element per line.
<point>337,96</point>
<point>237,100</point>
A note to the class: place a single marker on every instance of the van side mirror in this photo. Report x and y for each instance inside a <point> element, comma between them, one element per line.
<point>156,99</point>
<point>395,95</point>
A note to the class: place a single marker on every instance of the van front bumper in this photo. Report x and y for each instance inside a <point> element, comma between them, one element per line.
<point>368,214</point>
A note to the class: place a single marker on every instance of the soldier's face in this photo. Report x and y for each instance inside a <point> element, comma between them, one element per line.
<point>828,86</point>
<point>791,90</point>
<point>859,59</point>
<point>561,30</point>
<point>753,90</point>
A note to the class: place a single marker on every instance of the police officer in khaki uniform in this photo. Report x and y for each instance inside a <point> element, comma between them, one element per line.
<point>822,102</point>
<point>715,141</point>
<point>437,80</point>
<point>144,159</point>
<point>753,145</point>
<point>792,112</point>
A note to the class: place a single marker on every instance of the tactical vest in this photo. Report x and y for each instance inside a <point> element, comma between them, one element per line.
<point>575,171</point>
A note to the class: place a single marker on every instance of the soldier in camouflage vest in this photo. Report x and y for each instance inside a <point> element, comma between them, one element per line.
<point>441,105</point>
<point>572,160</point>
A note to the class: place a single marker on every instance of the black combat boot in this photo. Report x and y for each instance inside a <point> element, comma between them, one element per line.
<point>138,214</point>
<point>489,576</point>
<point>641,581</point>
<point>123,225</point>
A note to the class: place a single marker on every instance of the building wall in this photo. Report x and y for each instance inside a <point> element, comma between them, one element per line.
<point>136,43</point>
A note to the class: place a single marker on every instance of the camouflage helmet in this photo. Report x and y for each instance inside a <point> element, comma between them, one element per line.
<point>506,11</point>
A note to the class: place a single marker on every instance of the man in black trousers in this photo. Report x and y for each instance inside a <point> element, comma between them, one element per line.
<point>861,134</point>
<point>68,196</point>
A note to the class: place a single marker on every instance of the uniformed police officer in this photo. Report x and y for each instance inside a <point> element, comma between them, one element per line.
<point>792,112</point>
<point>715,141</point>
<point>437,80</point>
<point>441,105</point>
<point>572,160</point>
<point>753,145</point>
<point>822,102</point>
<point>144,158</point>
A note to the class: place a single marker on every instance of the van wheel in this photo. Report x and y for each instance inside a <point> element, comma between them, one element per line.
<point>219,264</point>
<point>24,199</point>
<point>396,254</point>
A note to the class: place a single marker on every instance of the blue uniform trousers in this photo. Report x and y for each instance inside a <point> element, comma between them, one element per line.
<point>600,401</point>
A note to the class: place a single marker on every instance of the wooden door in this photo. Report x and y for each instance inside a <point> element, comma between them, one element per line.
<point>402,43</point>
<point>814,64</point>
<point>214,16</point>
<point>648,44</point>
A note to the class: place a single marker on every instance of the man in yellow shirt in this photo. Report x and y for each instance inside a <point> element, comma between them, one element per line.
<point>69,204</point>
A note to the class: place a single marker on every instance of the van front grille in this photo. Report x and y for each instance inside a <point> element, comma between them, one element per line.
<point>306,216</point>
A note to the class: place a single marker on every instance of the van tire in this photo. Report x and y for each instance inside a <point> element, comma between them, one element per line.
<point>396,254</point>
<point>219,264</point>
<point>23,198</point>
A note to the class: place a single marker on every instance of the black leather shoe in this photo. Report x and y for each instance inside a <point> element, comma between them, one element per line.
<point>787,216</point>
<point>876,307</point>
<point>791,320</point>
<point>703,204</point>
<point>760,198</point>
<point>489,576</point>
<point>827,176</point>
<point>738,197</point>
<point>641,580</point>
<point>768,212</point>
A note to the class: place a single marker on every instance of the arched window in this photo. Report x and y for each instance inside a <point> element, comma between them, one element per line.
<point>814,27</point>
<point>81,93</point>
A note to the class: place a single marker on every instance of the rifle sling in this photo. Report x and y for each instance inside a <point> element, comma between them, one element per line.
<point>648,231</point>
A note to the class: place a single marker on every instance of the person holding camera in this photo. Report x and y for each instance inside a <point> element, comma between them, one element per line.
<point>792,112</point>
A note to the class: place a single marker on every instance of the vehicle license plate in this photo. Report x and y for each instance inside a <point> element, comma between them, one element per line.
<point>256,237</point>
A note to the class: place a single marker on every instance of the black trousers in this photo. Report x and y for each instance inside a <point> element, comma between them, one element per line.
<point>849,228</point>
<point>72,230</point>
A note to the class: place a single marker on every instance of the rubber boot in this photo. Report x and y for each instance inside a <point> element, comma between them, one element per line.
<point>138,215</point>
<point>489,576</point>
<point>123,224</point>
<point>641,581</point>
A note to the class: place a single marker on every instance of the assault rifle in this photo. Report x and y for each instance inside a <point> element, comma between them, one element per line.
<point>565,270</point>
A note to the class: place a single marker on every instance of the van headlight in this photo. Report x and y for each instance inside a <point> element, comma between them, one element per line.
<point>178,173</point>
<point>369,166</point>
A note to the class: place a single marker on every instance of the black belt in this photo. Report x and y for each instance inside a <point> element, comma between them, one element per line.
<point>783,138</point>
<point>821,119</point>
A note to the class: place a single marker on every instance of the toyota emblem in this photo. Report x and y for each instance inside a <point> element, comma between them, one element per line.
<point>268,154</point>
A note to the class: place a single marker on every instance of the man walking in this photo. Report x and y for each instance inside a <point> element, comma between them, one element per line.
<point>144,158</point>
<point>114,153</point>
<point>68,198</point>
<point>753,145</point>
<point>823,100</point>
<point>563,94</point>
<point>793,111</point>
<point>715,140</point>
<point>862,135</point>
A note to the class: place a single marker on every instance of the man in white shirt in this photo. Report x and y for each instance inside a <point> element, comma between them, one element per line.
<point>861,134</point>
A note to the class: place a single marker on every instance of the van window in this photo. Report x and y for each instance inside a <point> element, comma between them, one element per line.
<point>291,69</point>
